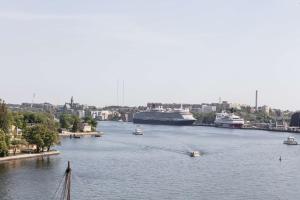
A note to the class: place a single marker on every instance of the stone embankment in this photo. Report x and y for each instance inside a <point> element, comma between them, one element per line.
<point>68,134</point>
<point>27,156</point>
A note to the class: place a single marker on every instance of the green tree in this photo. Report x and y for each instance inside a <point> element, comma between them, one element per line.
<point>15,144</point>
<point>5,118</point>
<point>42,136</point>
<point>66,121</point>
<point>35,135</point>
<point>91,121</point>
<point>51,138</point>
<point>3,145</point>
<point>75,127</point>
<point>205,118</point>
<point>18,120</point>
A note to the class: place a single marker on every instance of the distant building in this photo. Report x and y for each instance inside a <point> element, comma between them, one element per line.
<point>204,109</point>
<point>95,114</point>
<point>105,115</point>
<point>85,127</point>
<point>265,109</point>
<point>80,113</point>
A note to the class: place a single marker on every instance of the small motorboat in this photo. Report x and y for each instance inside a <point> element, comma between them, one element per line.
<point>195,154</point>
<point>99,134</point>
<point>76,136</point>
<point>290,141</point>
<point>138,131</point>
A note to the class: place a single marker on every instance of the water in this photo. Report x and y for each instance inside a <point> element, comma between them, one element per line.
<point>236,164</point>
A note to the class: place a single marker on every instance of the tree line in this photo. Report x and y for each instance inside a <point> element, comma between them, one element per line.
<point>39,129</point>
<point>72,122</point>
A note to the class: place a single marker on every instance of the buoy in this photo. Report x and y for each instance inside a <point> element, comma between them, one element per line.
<point>280,158</point>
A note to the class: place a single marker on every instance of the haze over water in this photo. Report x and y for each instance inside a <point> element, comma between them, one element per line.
<point>236,164</point>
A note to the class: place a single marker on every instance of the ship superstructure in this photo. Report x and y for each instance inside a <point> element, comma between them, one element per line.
<point>228,120</point>
<point>164,116</point>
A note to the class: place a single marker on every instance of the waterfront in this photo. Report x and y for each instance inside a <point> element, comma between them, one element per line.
<point>236,164</point>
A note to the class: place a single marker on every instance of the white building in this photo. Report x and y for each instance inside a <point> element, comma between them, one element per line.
<point>205,109</point>
<point>208,109</point>
<point>85,127</point>
<point>81,113</point>
<point>105,114</point>
<point>95,114</point>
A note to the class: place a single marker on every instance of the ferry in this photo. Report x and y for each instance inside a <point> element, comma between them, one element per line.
<point>228,120</point>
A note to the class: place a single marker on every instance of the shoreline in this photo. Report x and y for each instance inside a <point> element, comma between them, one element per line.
<point>27,156</point>
<point>68,134</point>
<point>254,129</point>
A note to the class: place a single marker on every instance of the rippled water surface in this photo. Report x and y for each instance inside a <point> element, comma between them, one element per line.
<point>236,164</point>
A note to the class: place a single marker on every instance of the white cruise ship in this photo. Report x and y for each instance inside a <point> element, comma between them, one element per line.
<point>228,120</point>
<point>162,116</point>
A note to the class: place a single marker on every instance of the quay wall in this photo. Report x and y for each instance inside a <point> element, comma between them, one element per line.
<point>27,156</point>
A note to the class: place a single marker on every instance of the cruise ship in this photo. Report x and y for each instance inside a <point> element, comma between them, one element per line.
<point>228,120</point>
<point>165,117</point>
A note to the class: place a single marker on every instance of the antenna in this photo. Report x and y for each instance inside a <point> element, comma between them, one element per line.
<point>123,94</point>
<point>117,92</point>
<point>32,101</point>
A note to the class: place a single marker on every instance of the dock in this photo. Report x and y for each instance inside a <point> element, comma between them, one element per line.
<point>27,156</point>
<point>68,134</point>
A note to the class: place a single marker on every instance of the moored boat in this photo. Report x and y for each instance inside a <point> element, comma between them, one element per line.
<point>162,116</point>
<point>228,120</point>
<point>290,141</point>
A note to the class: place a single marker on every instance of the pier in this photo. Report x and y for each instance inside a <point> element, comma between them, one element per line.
<point>68,134</point>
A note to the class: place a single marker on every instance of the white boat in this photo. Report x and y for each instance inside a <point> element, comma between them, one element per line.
<point>228,120</point>
<point>138,131</point>
<point>290,141</point>
<point>195,154</point>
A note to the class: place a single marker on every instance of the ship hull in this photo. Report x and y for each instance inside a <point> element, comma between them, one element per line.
<point>237,126</point>
<point>164,122</point>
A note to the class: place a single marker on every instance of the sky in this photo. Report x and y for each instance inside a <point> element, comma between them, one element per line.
<point>183,51</point>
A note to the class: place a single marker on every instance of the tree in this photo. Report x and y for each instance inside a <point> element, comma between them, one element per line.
<point>3,145</point>
<point>15,143</point>
<point>75,127</point>
<point>5,118</point>
<point>34,135</point>
<point>205,118</point>
<point>50,139</point>
<point>66,121</point>
<point>91,121</point>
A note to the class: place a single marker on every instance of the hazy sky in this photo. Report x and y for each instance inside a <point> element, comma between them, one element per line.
<point>188,51</point>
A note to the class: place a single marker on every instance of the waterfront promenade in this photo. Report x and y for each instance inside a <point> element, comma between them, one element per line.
<point>27,156</point>
<point>68,134</point>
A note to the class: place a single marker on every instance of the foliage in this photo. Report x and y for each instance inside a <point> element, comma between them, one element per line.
<point>91,121</point>
<point>5,117</point>
<point>15,143</point>
<point>75,127</point>
<point>3,145</point>
<point>66,121</point>
<point>18,119</point>
<point>205,118</point>
<point>42,136</point>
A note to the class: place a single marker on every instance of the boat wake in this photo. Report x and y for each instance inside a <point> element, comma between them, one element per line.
<point>148,147</point>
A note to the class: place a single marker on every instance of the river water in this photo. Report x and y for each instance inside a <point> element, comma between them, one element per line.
<point>236,164</point>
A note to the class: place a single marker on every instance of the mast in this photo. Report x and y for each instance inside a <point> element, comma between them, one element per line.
<point>66,190</point>
<point>68,181</point>
<point>63,192</point>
